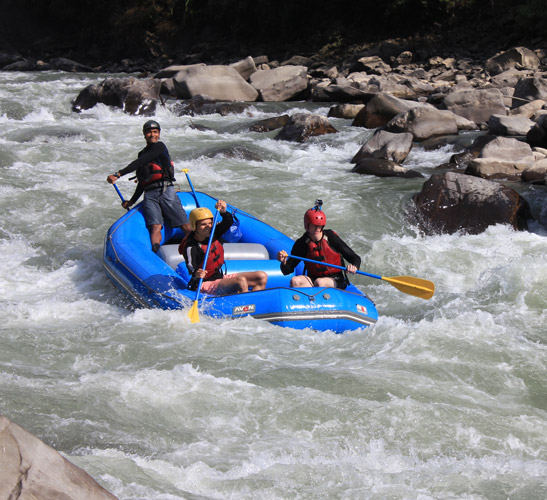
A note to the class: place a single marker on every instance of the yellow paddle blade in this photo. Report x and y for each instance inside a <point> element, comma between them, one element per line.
<point>413,286</point>
<point>194,313</point>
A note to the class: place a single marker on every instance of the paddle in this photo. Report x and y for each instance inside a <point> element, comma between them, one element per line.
<point>185,170</point>
<point>119,192</point>
<point>194,314</point>
<point>406,284</point>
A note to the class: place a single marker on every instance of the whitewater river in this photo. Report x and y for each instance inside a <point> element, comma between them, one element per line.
<point>441,399</point>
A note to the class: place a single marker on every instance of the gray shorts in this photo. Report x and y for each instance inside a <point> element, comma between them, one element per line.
<point>163,206</point>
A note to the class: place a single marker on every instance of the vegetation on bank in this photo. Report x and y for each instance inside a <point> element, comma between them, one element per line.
<point>129,27</point>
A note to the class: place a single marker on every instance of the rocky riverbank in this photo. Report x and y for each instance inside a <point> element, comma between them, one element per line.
<point>407,98</point>
<point>503,99</point>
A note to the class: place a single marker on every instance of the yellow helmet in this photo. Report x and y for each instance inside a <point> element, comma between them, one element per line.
<point>200,213</point>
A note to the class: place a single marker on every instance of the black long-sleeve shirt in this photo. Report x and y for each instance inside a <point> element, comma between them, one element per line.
<point>152,153</point>
<point>300,249</point>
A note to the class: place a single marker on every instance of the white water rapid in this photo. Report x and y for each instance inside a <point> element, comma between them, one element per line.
<point>441,399</point>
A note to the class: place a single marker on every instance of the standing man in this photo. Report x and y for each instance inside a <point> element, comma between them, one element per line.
<point>323,245</point>
<point>155,175</point>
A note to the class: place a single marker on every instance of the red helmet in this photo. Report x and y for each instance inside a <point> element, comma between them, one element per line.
<point>315,216</point>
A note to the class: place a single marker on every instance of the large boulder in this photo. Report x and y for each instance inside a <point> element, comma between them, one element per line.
<point>502,158</point>
<point>509,125</point>
<point>269,124</point>
<point>509,78</point>
<point>280,84</point>
<point>30,469</point>
<point>302,126</point>
<point>385,145</point>
<point>134,96</point>
<point>347,111</point>
<point>221,83</point>
<point>454,202</point>
<point>340,93</point>
<point>529,109</point>
<point>424,123</point>
<point>415,86</point>
<point>8,58</point>
<point>476,105</point>
<point>381,108</point>
<point>372,65</point>
<point>529,89</point>
<point>519,57</point>
<point>537,174</point>
<point>63,64</point>
<point>22,65</point>
<point>246,67</point>
<point>537,135</point>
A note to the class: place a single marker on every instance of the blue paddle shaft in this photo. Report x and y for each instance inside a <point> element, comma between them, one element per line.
<point>192,188</point>
<point>207,251</point>
<point>334,265</point>
<point>119,193</point>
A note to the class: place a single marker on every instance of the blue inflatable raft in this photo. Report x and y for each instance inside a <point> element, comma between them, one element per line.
<point>160,280</point>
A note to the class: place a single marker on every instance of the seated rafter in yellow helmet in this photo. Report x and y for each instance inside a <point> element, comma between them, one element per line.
<point>200,213</point>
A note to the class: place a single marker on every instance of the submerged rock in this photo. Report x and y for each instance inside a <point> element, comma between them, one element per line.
<point>134,96</point>
<point>302,126</point>
<point>383,168</point>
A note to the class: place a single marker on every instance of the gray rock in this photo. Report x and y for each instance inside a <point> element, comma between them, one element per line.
<point>506,148</point>
<point>374,65</point>
<point>454,202</point>
<point>529,89</point>
<point>509,125</point>
<point>269,124</point>
<point>302,126</point>
<point>134,96</point>
<point>381,109</point>
<point>385,145</point>
<point>536,174</point>
<point>280,84</point>
<point>476,105</point>
<point>519,57</point>
<point>9,58</point>
<point>537,135</point>
<point>529,109</point>
<point>64,64</point>
<point>502,158</point>
<point>424,123</point>
<point>348,111</point>
<point>383,168</point>
<point>298,61</point>
<point>510,77</point>
<point>30,469</point>
<point>20,65</point>
<point>221,83</point>
<point>340,93</point>
<point>246,67</point>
